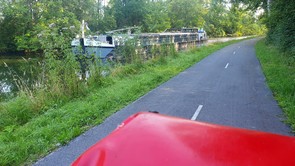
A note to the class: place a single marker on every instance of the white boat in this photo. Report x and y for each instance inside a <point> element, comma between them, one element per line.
<point>99,46</point>
<point>103,46</point>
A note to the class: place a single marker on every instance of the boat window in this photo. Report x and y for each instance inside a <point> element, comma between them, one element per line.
<point>110,39</point>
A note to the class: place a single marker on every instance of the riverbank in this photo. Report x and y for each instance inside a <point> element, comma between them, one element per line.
<point>279,70</point>
<point>15,70</point>
<point>60,123</point>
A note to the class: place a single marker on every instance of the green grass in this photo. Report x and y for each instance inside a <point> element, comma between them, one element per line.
<point>279,70</point>
<point>24,144</point>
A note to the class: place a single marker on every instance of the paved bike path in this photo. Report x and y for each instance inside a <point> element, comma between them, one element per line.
<point>228,88</point>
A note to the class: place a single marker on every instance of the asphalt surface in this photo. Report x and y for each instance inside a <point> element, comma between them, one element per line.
<point>228,88</point>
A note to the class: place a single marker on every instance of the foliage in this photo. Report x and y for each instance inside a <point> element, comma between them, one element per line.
<point>235,20</point>
<point>23,21</point>
<point>278,19</point>
<point>281,28</point>
<point>157,18</point>
<point>216,19</point>
<point>253,4</point>
<point>128,53</point>
<point>11,25</point>
<point>129,12</point>
<point>187,13</point>
<point>50,15</point>
<point>101,23</point>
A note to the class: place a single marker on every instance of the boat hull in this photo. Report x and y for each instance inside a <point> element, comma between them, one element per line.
<point>93,51</point>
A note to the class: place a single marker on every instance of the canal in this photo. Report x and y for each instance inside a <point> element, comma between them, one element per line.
<point>17,73</point>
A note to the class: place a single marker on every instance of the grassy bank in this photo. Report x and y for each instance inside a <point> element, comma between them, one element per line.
<point>58,125</point>
<point>279,70</point>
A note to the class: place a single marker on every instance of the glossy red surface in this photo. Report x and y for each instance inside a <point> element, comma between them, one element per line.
<point>148,139</point>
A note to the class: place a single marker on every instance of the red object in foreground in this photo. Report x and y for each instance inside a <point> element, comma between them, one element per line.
<point>148,139</point>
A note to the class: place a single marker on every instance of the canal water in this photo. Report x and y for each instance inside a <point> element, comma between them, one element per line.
<point>16,73</point>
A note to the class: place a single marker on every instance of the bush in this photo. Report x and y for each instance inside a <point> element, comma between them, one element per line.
<point>281,28</point>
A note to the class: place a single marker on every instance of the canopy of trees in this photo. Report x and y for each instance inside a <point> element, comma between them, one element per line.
<point>279,20</point>
<point>281,26</point>
<point>23,22</point>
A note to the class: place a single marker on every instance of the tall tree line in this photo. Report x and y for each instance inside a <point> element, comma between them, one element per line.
<point>279,20</point>
<point>22,22</point>
<point>281,25</point>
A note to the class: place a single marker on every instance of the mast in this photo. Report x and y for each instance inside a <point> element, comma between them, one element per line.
<point>82,29</point>
<point>268,7</point>
<point>82,42</point>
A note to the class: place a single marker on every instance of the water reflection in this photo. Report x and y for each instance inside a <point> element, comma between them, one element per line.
<point>16,73</point>
<point>4,87</point>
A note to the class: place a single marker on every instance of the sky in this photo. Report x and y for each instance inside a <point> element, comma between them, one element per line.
<point>105,2</point>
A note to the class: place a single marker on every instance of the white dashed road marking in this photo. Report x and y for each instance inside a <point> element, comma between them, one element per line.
<point>197,112</point>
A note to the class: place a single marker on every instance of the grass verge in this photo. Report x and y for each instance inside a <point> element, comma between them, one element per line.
<point>279,70</point>
<point>21,145</point>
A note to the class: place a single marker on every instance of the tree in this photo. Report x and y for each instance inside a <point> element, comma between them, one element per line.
<point>82,9</point>
<point>187,13</point>
<point>47,14</point>
<point>129,12</point>
<point>280,24</point>
<point>25,20</point>
<point>102,19</point>
<point>234,20</point>
<point>253,4</point>
<point>14,22</point>
<point>156,19</point>
<point>216,18</point>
